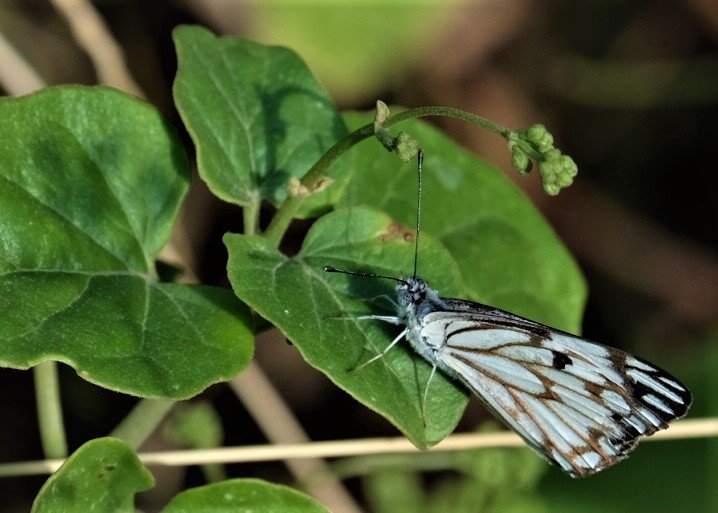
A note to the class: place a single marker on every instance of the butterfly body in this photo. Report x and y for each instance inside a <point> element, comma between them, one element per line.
<point>580,405</point>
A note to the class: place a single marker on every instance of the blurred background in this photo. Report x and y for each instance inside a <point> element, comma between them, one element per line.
<point>630,91</point>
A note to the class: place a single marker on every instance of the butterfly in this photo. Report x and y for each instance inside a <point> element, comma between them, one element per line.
<point>580,405</point>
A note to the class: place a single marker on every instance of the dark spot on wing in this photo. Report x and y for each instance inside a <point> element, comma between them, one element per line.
<point>560,360</point>
<point>395,230</point>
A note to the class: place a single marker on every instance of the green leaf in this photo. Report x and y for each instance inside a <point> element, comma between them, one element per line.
<point>256,115</point>
<point>509,256</point>
<point>91,182</point>
<point>243,496</point>
<point>317,310</point>
<point>101,476</point>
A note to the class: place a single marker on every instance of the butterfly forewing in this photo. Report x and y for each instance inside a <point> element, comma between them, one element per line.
<point>580,404</point>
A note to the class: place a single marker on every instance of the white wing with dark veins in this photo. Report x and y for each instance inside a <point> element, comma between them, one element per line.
<point>579,404</point>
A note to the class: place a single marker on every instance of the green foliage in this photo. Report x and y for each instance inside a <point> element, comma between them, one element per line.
<point>317,312</point>
<point>489,480</point>
<point>256,115</point>
<point>101,476</point>
<point>243,496</point>
<point>92,181</point>
<point>508,255</point>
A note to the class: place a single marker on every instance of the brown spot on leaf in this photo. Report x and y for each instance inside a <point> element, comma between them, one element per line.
<point>395,230</point>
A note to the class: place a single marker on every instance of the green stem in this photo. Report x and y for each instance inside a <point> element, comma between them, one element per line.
<point>448,112</point>
<point>250,215</point>
<point>213,472</point>
<point>49,410</point>
<point>280,222</point>
<point>144,418</point>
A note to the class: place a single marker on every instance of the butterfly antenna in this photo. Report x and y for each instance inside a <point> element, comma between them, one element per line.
<point>330,269</point>
<point>420,165</point>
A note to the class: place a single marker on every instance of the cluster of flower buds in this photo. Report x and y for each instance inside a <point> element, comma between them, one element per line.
<point>404,145</point>
<point>528,146</point>
<point>556,169</point>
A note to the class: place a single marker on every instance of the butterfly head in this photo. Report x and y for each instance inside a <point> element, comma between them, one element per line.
<point>412,291</point>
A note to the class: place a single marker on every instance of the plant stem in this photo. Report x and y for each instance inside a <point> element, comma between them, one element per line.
<point>280,222</point>
<point>49,410</point>
<point>681,429</point>
<point>448,112</point>
<point>250,215</point>
<point>213,472</point>
<point>144,418</point>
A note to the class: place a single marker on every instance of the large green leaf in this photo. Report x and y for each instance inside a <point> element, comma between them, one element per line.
<point>317,312</point>
<point>101,476</point>
<point>243,496</point>
<point>508,255</point>
<point>256,115</point>
<point>90,182</point>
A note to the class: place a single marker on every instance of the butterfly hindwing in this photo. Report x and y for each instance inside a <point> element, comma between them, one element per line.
<point>579,404</point>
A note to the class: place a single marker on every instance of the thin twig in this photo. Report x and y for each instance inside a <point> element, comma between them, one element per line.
<point>17,77</point>
<point>280,426</point>
<point>94,37</point>
<point>683,429</point>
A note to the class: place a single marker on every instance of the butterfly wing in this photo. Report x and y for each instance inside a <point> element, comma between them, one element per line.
<point>581,405</point>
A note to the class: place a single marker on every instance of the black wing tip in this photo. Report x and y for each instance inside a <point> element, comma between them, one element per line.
<point>657,391</point>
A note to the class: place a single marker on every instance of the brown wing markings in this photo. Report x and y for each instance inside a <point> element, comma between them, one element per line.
<point>568,455</point>
<point>592,439</point>
<point>483,371</point>
<point>546,397</point>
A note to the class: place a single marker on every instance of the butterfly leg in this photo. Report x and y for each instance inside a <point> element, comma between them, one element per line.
<point>391,319</point>
<point>425,394</point>
<point>380,355</point>
<point>386,297</point>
